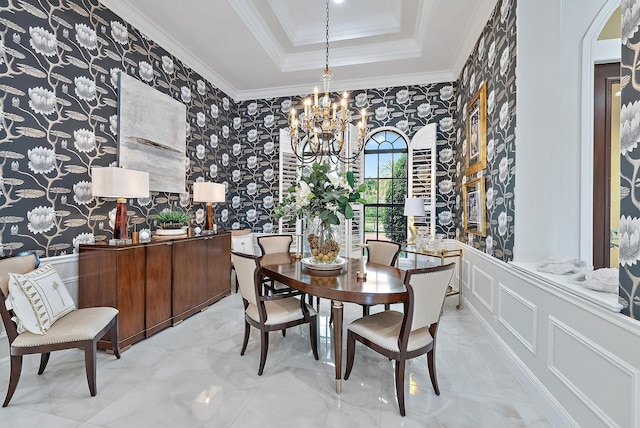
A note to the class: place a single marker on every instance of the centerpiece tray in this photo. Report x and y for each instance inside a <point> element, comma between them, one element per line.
<point>310,263</point>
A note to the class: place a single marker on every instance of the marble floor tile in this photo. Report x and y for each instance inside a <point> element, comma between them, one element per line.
<point>192,375</point>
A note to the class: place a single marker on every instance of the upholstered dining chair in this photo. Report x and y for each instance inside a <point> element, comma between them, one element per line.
<point>273,312</point>
<point>242,241</point>
<point>402,336</point>
<point>270,244</point>
<point>382,253</point>
<point>79,328</point>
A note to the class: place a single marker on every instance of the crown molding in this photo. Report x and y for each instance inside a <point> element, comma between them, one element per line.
<point>138,20</point>
<point>351,85</point>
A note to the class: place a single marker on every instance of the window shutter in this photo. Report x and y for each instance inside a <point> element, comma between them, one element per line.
<point>422,174</point>
<point>288,175</point>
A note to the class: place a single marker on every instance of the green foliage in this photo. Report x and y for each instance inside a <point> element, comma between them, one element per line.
<point>323,193</point>
<point>172,217</point>
<point>393,218</point>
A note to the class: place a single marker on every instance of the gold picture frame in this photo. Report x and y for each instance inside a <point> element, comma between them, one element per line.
<point>475,201</point>
<point>476,119</point>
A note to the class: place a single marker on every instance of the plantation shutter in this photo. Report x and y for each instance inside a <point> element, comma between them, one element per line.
<point>353,230</point>
<point>422,175</point>
<point>288,175</point>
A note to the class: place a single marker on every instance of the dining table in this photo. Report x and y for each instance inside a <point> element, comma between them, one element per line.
<point>383,284</point>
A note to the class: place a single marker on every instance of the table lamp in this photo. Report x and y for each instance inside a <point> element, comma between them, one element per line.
<point>120,183</point>
<point>206,191</point>
<point>413,207</point>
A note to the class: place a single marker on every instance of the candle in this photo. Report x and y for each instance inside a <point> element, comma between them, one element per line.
<point>364,117</point>
<point>315,96</point>
<point>334,111</point>
<point>299,226</point>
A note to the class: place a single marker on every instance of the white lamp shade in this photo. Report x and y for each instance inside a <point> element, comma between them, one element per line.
<point>414,207</point>
<point>114,182</point>
<point>207,191</point>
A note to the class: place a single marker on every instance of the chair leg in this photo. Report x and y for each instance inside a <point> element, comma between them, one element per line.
<point>313,333</point>
<point>387,306</point>
<point>247,329</point>
<point>365,310</point>
<point>16,368</point>
<point>284,332</point>
<point>431,362</point>
<point>351,353</point>
<point>90,366</point>
<point>115,339</point>
<point>264,347</point>
<point>400,384</point>
<point>44,359</point>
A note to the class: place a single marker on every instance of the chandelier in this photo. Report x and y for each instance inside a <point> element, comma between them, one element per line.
<point>324,129</point>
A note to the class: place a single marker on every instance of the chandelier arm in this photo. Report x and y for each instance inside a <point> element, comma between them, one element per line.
<point>326,61</point>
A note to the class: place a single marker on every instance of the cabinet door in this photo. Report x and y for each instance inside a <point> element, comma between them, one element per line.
<point>130,280</point>
<point>158,287</point>
<point>191,288</point>
<point>219,249</point>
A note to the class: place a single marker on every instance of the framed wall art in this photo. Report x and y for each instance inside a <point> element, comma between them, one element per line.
<point>151,134</point>
<point>474,197</point>
<point>476,119</point>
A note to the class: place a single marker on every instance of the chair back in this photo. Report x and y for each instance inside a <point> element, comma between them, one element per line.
<point>246,271</point>
<point>270,244</point>
<point>20,263</point>
<point>242,241</point>
<point>427,289</point>
<point>382,252</point>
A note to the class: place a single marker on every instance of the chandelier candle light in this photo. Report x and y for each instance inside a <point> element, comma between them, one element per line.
<point>320,131</point>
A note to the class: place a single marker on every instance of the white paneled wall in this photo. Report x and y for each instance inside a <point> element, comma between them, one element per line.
<point>576,356</point>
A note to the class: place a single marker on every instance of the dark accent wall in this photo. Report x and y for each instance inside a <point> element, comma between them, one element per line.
<point>493,60</point>
<point>629,234</point>
<point>58,111</point>
<point>406,108</point>
<point>58,118</point>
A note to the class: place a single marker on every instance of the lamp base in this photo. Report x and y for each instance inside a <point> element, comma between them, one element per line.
<point>413,233</point>
<point>121,229</point>
<point>208,225</point>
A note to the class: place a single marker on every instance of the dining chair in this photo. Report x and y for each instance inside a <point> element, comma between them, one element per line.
<point>270,312</point>
<point>402,336</point>
<point>242,241</point>
<point>270,244</point>
<point>79,328</point>
<point>383,253</point>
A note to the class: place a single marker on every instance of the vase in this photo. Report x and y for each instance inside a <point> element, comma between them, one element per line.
<point>321,241</point>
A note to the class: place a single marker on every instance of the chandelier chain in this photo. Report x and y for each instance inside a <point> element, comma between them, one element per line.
<point>326,61</point>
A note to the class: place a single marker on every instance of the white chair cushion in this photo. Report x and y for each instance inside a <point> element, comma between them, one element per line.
<point>38,299</point>
<point>383,329</point>
<point>279,311</point>
<point>81,324</point>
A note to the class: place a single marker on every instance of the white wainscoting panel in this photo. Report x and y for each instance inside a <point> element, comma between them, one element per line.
<point>482,287</point>
<point>586,368</point>
<point>519,316</point>
<point>466,272</point>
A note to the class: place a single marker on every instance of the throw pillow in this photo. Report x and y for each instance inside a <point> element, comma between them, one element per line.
<point>38,299</point>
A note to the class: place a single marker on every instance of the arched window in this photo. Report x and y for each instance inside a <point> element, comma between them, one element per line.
<point>385,165</point>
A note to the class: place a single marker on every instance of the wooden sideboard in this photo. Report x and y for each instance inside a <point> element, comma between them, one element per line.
<point>156,284</point>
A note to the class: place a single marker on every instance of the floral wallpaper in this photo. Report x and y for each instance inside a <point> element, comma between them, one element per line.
<point>58,118</point>
<point>492,61</point>
<point>629,235</point>
<point>409,108</point>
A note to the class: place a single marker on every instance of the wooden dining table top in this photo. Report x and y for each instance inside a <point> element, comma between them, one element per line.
<point>384,284</point>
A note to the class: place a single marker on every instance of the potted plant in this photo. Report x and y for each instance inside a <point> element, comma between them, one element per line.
<point>172,222</point>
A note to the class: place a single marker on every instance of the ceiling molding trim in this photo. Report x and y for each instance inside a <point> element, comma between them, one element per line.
<point>138,20</point>
<point>423,18</point>
<point>472,33</point>
<point>375,52</point>
<point>350,85</point>
<point>260,30</point>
